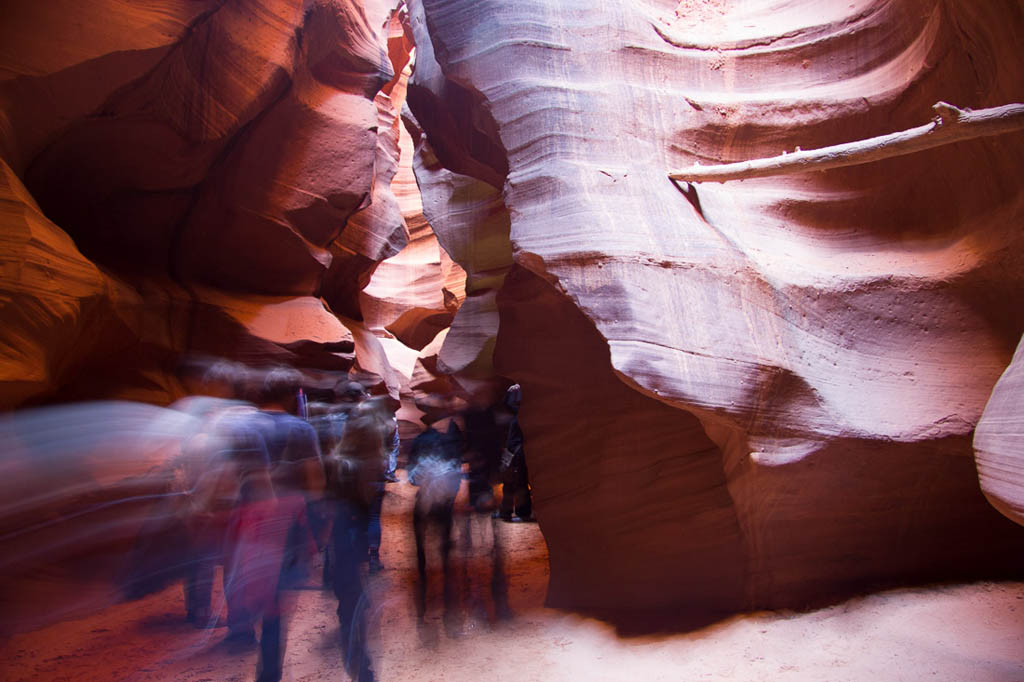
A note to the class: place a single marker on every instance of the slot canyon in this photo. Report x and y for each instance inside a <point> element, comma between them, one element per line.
<point>774,425</point>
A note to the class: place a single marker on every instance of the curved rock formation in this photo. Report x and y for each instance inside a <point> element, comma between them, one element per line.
<point>999,442</point>
<point>755,394</point>
<point>459,169</point>
<point>414,294</point>
<point>246,145</point>
<point>835,335</point>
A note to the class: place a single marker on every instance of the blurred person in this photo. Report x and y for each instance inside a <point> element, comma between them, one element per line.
<point>485,441</point>
<point>77,490</point>
<point>201,491</point>
<point>270,514</point>
<point>388,424</point>
<point>396,445</point>
<point>329,421</point>
<point>210,480</point>
<point>288,437</point>
<point>291,439</point>
<point>435,468</point>
<point>222,384</point>
<point>484,445</point>
<point>515,491</point>
<point>269,540</point>
<point>354,472</point>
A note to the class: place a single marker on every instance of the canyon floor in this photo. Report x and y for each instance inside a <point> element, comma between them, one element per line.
<point>972,632</point>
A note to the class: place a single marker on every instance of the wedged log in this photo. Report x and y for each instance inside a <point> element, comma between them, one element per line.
<point>950,125</point>
<point>999,442</point>
<point>851,319</point>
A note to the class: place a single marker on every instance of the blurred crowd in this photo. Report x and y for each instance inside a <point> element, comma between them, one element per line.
<point>250,475</point>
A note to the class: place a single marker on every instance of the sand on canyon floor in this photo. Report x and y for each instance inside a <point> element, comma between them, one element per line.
<point>968,633</point>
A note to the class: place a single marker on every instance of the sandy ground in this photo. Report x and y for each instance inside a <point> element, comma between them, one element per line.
<point>965,633</point>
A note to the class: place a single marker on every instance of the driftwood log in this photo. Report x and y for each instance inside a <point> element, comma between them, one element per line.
<point>950,125</point>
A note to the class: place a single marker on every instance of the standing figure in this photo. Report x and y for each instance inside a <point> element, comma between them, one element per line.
<point>515,490</point>
<point>354,471</point>
<point>329,421</point>
<point>484,444</point>
<point>381,466</point>
<point>270,537</point>
<point>184,534</point>
<point>435,468</point>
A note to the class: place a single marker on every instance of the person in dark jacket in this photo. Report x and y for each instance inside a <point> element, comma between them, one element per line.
<point>435,467</point>
<point>484,445</point>
<point>272,537</point>
<point>354,471</point>
<point>515,491</point>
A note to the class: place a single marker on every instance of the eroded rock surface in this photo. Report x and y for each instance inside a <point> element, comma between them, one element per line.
<point>835,335</point>
<point>755,394</point>
<point>999,442</point>
<point>192,159</point>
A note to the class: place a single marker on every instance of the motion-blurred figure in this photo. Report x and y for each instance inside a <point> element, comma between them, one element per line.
<point>266,528</point>
<point>396,445</point>
<point>270,537</point>
<point>354,479</point>
<point>379,463</point>
<point>515,490</point>
<point>328,420</point>
<point>209,476</point>
<point>291,439</point>
<point>189,520</point>
<point>77,486</point>
<point>435,467</point>
<point>484,441</point>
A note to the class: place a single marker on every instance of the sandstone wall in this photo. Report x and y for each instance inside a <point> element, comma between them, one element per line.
<point>742,395</point>
<point>806,356</point>
<point>178,169</point>
<point>999,442</point>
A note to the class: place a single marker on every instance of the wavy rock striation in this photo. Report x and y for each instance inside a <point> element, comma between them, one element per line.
<point>999,445</point>
<point>760,393</point>
<point>192,167</point>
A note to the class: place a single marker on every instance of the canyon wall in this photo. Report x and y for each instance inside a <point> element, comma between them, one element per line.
<point>177,173</point>
<point>755,394</point>
<point>999,442</point>
<point>761,393</point>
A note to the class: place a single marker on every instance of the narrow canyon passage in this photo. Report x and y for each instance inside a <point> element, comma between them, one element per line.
<point>737,401</point>
<point>972,632</point>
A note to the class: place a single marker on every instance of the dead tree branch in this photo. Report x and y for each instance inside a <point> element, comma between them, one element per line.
<point>950,125</point>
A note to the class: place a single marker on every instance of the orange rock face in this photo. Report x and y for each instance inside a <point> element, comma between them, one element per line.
<point>793,367</point>
<point>190,149</point>
<point>752,394</point>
